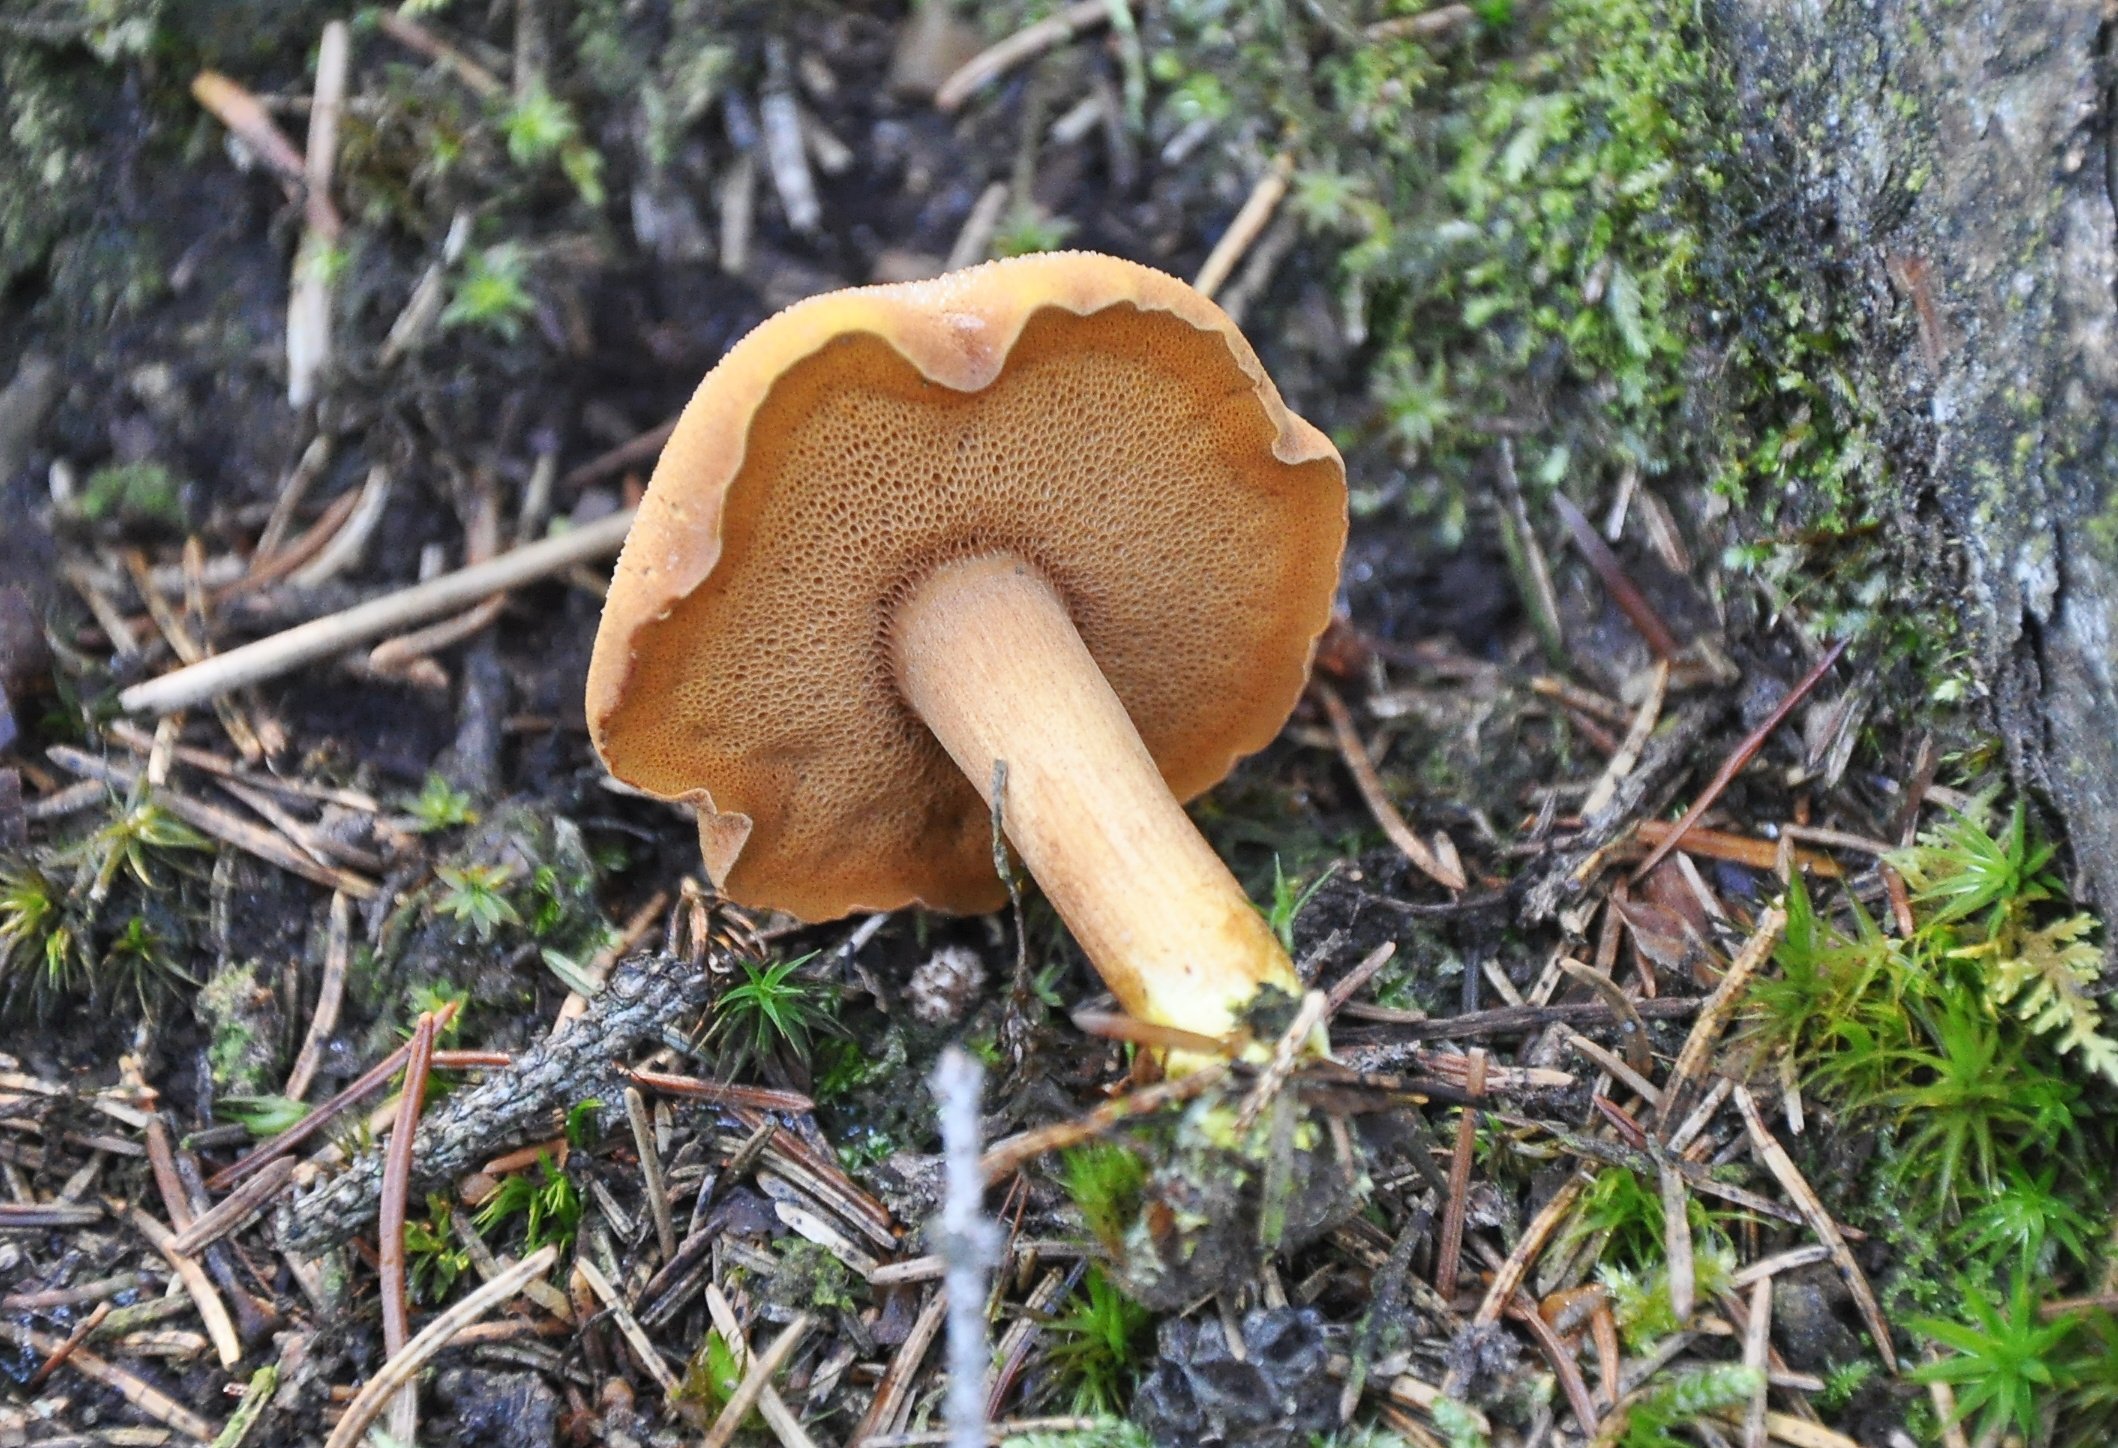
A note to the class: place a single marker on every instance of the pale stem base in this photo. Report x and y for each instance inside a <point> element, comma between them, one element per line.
<point>987,655</point>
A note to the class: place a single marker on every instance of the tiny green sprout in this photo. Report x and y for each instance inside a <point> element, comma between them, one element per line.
<point>2026,1220</point>
<point>1097,1345</point>
<point>261,1116</point>
<point>1685,1398</point>
<point>439,805</point>
<point>583,1123</point>
<point>1027,228</point>
<point>712,1376</point>
<point>551,1210</point>
<point>141,956</point>
<point>770,1010</point>
<point>493,292</point>
<point>1843,1381</point>
<point>1973,1100</point>
<point>474,896</point>
<point>435,1262</point>
<point>537,125</point>
<point>1288,902</point>
<point>37,950</point>
<point>130,841</point>
<point>1963,871</point>
<point>1105,1181</point>
<point>436,997</point>
<point>2005,1359</point>
<point>133,493</point>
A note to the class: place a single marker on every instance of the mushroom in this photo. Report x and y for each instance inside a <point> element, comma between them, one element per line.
<point>1046,512</point>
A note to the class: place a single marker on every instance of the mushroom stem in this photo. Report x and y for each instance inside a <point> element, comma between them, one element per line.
<point>988,657</point>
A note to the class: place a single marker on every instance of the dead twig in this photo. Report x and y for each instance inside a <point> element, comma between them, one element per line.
<point>1025,44</point>
<point>1623,591</point>
<point>1251,219</point>
<point>1781,1165</point>
<point>760,1372</point>
<point>1713,1016</point>
<point>1446,873</point>
<point>330,996</point>
<point>1743,754</point>
<point>320,638</point>
<point>401,1367</point>
<point>1006,1155</point>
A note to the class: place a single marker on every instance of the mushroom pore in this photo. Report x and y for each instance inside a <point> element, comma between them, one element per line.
<point>1046,512</point>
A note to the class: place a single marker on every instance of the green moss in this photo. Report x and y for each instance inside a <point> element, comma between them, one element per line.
<point>238,1012</point>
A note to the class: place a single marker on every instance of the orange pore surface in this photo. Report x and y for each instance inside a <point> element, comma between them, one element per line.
<point>1127,453</point>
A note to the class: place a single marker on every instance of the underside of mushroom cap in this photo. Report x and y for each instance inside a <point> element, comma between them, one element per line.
<point>1096,418</point>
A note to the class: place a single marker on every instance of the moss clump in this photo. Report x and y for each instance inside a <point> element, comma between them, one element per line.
<point>242,1018</point>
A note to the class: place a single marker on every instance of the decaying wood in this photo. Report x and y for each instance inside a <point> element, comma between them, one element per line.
<point>643,996</point>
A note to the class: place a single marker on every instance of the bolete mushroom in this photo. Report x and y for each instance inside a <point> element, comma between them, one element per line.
<point>1047,511</point>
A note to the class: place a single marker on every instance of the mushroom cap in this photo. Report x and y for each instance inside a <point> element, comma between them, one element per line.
<point>1100,419</point>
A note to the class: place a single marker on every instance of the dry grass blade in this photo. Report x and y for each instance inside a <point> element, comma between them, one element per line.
<point>1348,985</point>
<point>1448,1255</point>
<point>1744,753</point>
<point>891,1393</point>
<point>643,1137</point>
<point>760,1372</point>
<point>1372,793</point>
<point>1747,850</point>
<point>1507,1278</point>
<point>241,113</point>
<point>628,1326</point>
<point>1676,1238</point>
<point>1757,1352</point>
<point>403,1366</point>
<point>330,996</point>
<point>1637,733</point>
<point>1781,1165</point>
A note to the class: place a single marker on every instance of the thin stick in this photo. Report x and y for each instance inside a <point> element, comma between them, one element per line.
<point>1349,984</point>
<point>238,110</point>
<point>330,997</point>
<point>1623,591</point>
<point>770,1406</point>
<point>630,453</point>
<point>1285,1053</point>
<point>149,1399</point>
<point>322,1116</point>
<point>1744,752</point>
<point>403,1366</point>
<point>212,1311</point>
<point>762,1367</point>
<point>396,1189</point>
<point>1032,40</point>
<point>1372,793</point>
<point>1005,1156</point>
<point>1706,1029</point>
<point>1256,211</point>
<point>643,1137</point>
<point>334,633</point>
<point>234,1211</point>
<point>628,1326</point>
<point>1507,1279</point>
<point>1781,1165</point>
<point>1757,1350</point>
